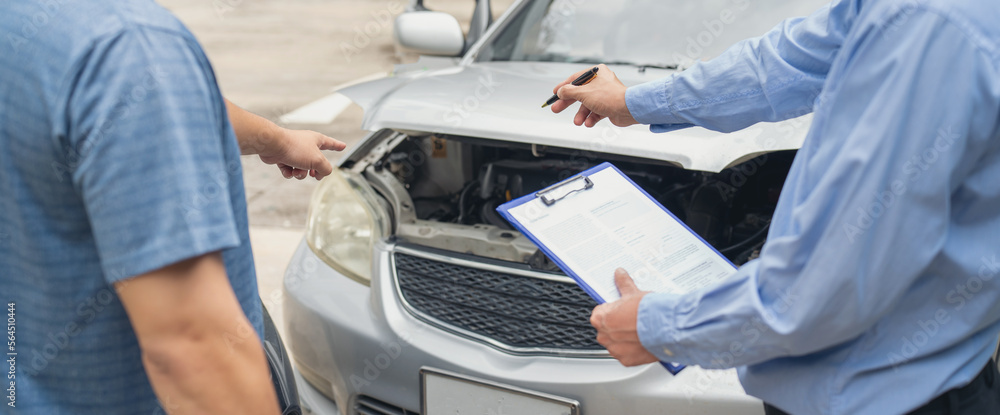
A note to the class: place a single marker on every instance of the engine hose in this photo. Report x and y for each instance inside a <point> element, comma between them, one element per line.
<point>754,237</point>
<point>461,200</point>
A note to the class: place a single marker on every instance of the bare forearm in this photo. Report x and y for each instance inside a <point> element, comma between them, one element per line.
<point>254,133</point>
<point>222,372</point>
<point>199,350</point>
<point>298,153</point>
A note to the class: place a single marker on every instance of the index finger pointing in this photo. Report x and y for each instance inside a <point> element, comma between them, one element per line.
<point>329,143</point>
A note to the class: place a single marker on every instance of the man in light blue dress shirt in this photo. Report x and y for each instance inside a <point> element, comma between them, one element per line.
<point>876,292</point>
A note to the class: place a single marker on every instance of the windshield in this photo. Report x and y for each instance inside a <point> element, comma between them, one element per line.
<point>640,32</point>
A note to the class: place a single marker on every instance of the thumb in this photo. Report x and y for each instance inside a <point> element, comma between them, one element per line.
<point>322,167</point>
<point>569,91</point>
<point>625,284</point>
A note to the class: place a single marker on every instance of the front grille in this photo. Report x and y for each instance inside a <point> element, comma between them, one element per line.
<point>515,310</point>
<point>366,405</point>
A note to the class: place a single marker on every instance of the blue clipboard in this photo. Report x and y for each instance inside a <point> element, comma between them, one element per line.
<point>565,188</point>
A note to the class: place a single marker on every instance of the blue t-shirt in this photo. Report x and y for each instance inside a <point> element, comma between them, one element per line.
<point>116,159</point>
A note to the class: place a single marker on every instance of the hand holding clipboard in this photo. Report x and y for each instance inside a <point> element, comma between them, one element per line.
<point>598,221</point>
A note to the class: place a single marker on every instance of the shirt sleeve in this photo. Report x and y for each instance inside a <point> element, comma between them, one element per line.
<point>895,135</point>
<point>146,145</point>
<point>771,78</point>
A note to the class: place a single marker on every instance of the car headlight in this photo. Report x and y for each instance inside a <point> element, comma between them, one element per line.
<point>345,220</point>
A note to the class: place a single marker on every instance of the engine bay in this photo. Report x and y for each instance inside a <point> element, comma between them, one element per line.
<point>444,190</point>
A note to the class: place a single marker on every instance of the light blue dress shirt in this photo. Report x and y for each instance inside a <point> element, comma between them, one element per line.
<point>876,290</point>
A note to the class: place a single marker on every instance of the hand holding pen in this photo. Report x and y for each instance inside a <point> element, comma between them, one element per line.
<point>602,96</point>
<point>583,79</point>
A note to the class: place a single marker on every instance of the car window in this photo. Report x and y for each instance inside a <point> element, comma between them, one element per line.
<point>649,32</point>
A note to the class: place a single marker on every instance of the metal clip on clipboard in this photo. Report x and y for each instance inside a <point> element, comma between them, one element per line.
<point>559,191</point>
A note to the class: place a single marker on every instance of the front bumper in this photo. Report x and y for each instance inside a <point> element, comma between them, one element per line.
<point>312,401</point>
<point>356,341</point>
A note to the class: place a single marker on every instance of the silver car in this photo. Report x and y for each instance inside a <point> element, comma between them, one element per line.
<point>410,294</point>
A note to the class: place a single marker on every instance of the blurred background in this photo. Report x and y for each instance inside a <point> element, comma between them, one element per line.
<point>273,57</point>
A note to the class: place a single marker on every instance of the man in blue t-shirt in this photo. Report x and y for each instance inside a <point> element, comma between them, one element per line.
<point>125,264</point>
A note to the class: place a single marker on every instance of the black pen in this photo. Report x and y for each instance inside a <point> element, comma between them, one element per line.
<point>580,80</point>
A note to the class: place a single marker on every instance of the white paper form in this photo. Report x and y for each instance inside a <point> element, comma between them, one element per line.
<point>614,224</point>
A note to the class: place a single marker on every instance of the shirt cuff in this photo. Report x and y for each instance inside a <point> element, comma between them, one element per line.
<point>656,325</point>
<point>649,103</point>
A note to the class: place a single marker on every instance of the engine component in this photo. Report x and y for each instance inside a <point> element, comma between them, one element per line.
<point>510,179</point>
<point>400,165</point>
<point>461,190</point>
<point>708,211</point>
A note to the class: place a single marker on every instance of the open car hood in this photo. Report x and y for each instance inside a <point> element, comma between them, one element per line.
<point>502,100</point>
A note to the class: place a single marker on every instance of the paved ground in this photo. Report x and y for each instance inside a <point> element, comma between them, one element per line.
<point>273,56</point>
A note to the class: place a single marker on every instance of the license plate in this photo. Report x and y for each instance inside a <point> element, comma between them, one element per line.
<point>444,392</point>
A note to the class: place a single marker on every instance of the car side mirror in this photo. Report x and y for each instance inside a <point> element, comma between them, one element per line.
<point>429,33</point>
